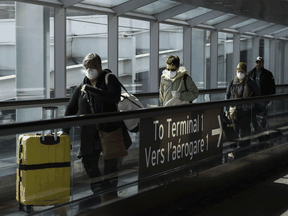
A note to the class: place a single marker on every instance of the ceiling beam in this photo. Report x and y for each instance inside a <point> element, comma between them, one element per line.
<point>49,3</point>
<point>176,22</point>
<point>230,22</point>
<point>139,16</point>
<point>130,6</point>
<point>251,26</point>
<point>281,34</point>
<point>91,8</point>
<point>173,12</point>
<point>270,30</point>
<point>68,3</point>
<point>204,18</point>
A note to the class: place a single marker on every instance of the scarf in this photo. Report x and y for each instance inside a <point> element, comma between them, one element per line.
<point>241,87</point>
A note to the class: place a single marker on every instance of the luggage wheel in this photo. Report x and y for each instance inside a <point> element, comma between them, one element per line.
<point>20,207</point>
<point>29,209</point>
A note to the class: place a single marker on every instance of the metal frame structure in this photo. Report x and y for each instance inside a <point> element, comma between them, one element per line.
<point>60,52</point>
<point>126,9</point>
<point>129,9</point>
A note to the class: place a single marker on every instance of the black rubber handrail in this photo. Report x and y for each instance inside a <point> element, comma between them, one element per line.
<point>9,105</point>
<point>70,121</point>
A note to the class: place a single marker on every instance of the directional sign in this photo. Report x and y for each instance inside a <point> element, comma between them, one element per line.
<point>168,142</point>
<point>218,131</point>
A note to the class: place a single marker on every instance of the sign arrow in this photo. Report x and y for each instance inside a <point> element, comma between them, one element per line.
<point>218,131</point>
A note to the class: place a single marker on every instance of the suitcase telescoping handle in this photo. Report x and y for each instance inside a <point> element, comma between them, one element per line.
<point>55,111</point>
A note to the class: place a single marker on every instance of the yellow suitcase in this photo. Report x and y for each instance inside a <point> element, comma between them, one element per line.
<point>43,173</point>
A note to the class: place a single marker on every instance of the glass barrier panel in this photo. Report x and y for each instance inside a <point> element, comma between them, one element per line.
<point>276,121</point>
<point>266,128</point>
<point>241,131</point>
<point>98,181</point>
<point>281,90</point>
<point>165,149</point>
<point>217,97</point>
<point>35,172</point>
<point>7,116</point>
<point>149,102</point>
<point>31,114</point>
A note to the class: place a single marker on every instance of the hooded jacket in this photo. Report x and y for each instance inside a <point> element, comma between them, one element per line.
<point>103,99</point>
<point>170,81</point>
<point>267,82</point>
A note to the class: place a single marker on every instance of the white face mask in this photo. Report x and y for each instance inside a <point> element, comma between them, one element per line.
<point>91,73</point>
<point>172,73</point>
<point>240,75</point>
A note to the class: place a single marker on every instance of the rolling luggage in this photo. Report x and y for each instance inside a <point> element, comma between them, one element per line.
<point>43,173</point>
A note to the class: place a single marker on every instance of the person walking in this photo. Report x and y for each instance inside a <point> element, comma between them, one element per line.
<point>94,96</point>
<point>266,83</point>
<point>242,86</point>
<point>176,84</point>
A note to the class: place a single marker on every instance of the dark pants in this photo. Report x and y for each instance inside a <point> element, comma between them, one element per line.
<point>243,129</point>
<point>90,163</point>
<point>261,123</point>
<point>263,120</point>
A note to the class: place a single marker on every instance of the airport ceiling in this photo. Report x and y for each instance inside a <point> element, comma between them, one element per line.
<point>263,18</point>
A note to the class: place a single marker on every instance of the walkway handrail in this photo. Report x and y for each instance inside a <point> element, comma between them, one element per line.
<point>70,121</point>
<point>9,105</point>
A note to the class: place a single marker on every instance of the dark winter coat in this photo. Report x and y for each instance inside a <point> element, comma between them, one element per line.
<point>267,82</point>
<point>104,99</point>
<point>245,89</point>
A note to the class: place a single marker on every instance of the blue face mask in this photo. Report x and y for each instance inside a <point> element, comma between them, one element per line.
<point>91,73</point>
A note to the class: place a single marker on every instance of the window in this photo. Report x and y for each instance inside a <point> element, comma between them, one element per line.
<point>86,33</point>
<point>170,43</point>
<point>200,56</point>
<point>133,54</point>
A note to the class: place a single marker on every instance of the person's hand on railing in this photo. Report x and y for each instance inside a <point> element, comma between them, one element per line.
<point>59,133</point>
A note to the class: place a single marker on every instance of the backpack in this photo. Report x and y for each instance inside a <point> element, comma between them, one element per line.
<point>128,102</point>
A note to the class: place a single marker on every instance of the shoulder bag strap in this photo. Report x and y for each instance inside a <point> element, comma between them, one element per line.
<point>106,82</point>
<point>184,78</point>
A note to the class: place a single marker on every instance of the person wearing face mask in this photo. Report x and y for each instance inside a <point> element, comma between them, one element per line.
<point>266,83</point>
<point>242,86</point>
<point>171,79</point>
<point>94,96</point>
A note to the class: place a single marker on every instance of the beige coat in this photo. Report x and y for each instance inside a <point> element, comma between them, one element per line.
<point>170,81</point>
